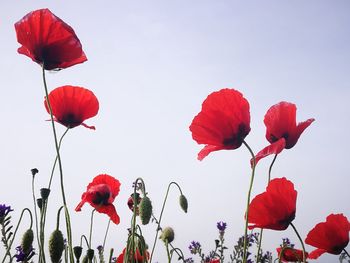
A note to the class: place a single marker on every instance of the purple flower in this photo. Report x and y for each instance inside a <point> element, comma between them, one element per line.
<point>189,260</point>
<point>221,226</point>
<point>100,248</point>
<point>4,210</point>
<point>194,247</point>
<point>21,256</point>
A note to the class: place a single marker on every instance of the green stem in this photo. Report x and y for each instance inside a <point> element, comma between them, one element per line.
<point>91,224</point>
<point>161,215</point>
<point>58,218</point>
<point>245,246</point>
<point>346,252</point>
<point>167,250</point>
<point>104,240</point>
<point>301,241</point>
<point>262,230</point>
<point>36,222</point>
<point>68,224</point>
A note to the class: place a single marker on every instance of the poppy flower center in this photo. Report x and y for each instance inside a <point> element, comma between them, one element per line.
<point>70,120</point>
<point>100,194</point>
<point>285,222</point>
<point>236,139</point>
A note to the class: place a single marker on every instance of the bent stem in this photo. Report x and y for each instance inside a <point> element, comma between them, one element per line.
<point>245,246</point>
<point>262,230</point>
<point>161,215</point>
<point>301,241</point>
<point>68,224</point>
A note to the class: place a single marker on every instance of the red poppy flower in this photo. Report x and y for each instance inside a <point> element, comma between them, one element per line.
<point>275,208</point>
<point>48,41</point>
<point>291,254</point>
<point>100,194</point>
<point>138,257</point>
<point>281,129</point>
<point>214,261</point>
<point>130,202</point>
<point>223,122</point>
<point>72,105</point>
<point>331,236</point>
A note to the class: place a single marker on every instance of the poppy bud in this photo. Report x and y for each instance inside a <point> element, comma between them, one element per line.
<point>39,202</point>
<point>183,203</point>
<point>27,241</point>
<point>145,210</point>
<point>90,254</point>
<point>44,192</point>
<point>167,235</point>
<point>77,252</point>
<point>34,171</point>
<point>56,246</point>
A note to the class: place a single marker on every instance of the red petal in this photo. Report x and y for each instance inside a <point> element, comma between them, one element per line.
<point>316,253</point>
<point>110,211</point>
<point>206,150</point>
<point>274,148</point>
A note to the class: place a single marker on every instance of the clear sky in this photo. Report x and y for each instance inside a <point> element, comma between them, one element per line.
<point>151,64</point>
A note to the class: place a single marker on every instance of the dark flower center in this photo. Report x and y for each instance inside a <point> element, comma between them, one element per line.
<point>70,120</point>
<point>273,138</point>
<point>101,198</point>
<point>237,139</point>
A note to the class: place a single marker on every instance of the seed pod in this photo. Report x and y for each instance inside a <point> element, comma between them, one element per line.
<point>27,241</point>
<point>77,252</point>
<point>44,192</point>
<point>90,254</point>
<point>145,210</point>
<point>56,246</point>
<point>183,203</point>
<point>167,235</point>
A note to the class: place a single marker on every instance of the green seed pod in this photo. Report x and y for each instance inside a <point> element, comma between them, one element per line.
<point>56,246</point>
<point>90,254</point>
<point>27,241</point>
<point>39,202</point>
<point>183,203</point>
<point>77,252</point>
<point>145,210</point>
<point>45,192</point>
<point>167,235</point>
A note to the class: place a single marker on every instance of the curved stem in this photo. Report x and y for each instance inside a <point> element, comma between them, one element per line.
<point>270,168</point>
<point>245,246</point>
<point>91,224</point>
<point>86,241</point>
<point>58,218</point>
<point>68,224</point>
<point>161,215</point>
<point>14,234</point>
<point>301,241</point>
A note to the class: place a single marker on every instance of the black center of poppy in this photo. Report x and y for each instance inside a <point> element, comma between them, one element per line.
<point>286,221</point>
<point>237,139</point>
<point>101,198</point>
<point>273,138</point>
<point>70,120</point>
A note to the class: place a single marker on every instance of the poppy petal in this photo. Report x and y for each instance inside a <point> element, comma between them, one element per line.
<point>110,211</point>
<point>206,150</point>
<point>315,254</point>
<point>274,148</point>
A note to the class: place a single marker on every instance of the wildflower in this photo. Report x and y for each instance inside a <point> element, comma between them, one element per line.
<point>130,202</point>
<point>22,256</point>
<point>195,247</point>
<point>274,209</point>
<point>223,122</point>
<point>221,226</point>
<point>100,194</point>
<point>48,41</point>
<point>281,129</point>
<point>290,254</point>
<point>4,210</point>
<point>331,236</point>
<point>139,258</point>
<point>72,105</point>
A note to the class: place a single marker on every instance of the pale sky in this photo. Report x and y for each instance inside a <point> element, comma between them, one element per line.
<point>151,64</point>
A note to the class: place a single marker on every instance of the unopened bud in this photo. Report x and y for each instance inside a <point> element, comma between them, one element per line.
<point>183,203</point>
<point>56,246</point>
<point>145,210</point>
<point>39,202</point>
<point>44,192</point>
<point>77,252</point>
<point>167,235</point>
<point>34,171</point>
<point>27,241</point>
<point>90,254</point>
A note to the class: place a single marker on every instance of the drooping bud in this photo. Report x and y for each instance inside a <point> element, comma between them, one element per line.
<point>167,235</point>
<point>77,252</point>
<point>27,241</point>
<point>183,203</point>
<point>145,210</point>
<point>56,246</point>
<point>44,192</point>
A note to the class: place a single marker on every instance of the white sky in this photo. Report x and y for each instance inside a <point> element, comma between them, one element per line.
<point>151,64</point>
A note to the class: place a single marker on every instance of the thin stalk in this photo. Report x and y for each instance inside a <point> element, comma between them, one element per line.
<point>104,240</point>
<point>245,246</point>
<point>262,230</point>
<point>301,241</point>
<point>161,215</point>
<point>68,224</point>
<point>167,250</point>
<point>36,222</point>
<point>91,224</point>
<point>346,252</point>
